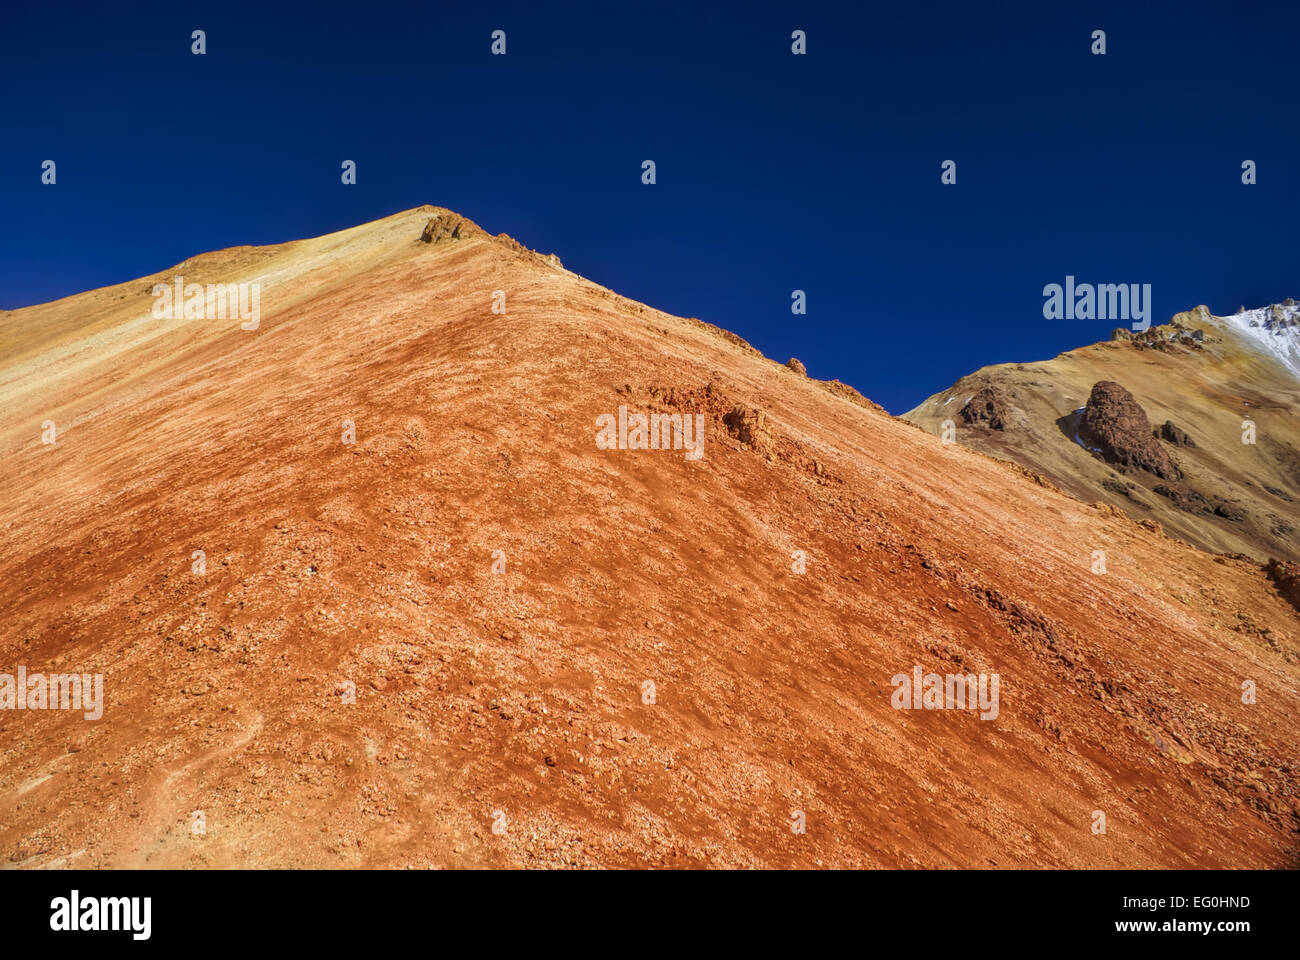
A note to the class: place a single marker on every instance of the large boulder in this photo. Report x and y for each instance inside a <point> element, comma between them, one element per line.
<point>1117,426</point>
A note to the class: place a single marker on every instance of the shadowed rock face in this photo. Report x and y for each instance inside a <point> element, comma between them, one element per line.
<point>1114,423</point>
<point>1287,577</point>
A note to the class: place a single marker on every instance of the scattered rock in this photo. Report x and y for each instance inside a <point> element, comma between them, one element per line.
<point>1170,337</point>
<point>25,851</point>
<point>1192,501</point>
<point>1280,494</point>
<point>1117,486</point>
<point>1184,498</point>
<point>1229,512</point>
<point>797,367</point>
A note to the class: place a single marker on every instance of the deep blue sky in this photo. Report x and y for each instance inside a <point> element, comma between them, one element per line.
<point>775,172</point>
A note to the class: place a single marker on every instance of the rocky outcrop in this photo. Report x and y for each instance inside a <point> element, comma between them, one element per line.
<point>798,367</point>
<point>749,426</point>
<point>991,406</point>
<point>1287,577</point>
<point>1198,315</point>
<point>1193,501</point>
<point>1114,424</point>
<point>851,395</point>
<point>447,226</point>
<point>1184,498</point>
<point>1282,316</point>
<point>510,243</point>
<point>1172,434</point>
<point>1172,337</point>
<point>727,335</point>
<point>1207,373</point>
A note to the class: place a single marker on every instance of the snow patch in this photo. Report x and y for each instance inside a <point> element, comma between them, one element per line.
<point>1274,330</point>
<point>1079,413</point>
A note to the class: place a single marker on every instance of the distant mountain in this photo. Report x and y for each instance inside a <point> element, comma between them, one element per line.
<point>1159,424</point>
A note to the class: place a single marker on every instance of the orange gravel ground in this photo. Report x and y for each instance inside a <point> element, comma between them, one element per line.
<point>517,697</point>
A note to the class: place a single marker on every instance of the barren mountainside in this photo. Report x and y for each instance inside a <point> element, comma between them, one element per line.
<point>476,636</point>
<point>1194,424</point>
